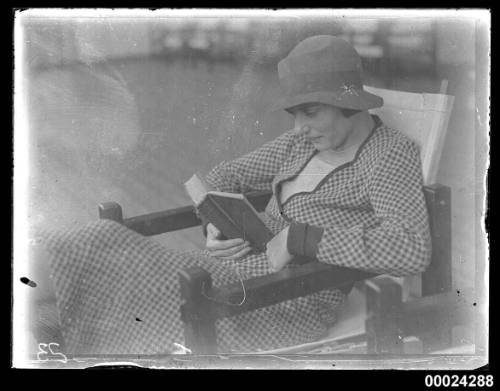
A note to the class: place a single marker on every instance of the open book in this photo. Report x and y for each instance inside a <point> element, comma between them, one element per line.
<point>231,213</point>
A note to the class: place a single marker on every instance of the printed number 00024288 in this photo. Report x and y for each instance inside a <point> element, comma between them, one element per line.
<point>471,380</point>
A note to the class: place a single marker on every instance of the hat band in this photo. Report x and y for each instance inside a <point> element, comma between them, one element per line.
<point>338,82</point>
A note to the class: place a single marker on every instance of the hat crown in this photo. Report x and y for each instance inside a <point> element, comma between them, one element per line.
<point>321,53</point>
<point>324,69</point>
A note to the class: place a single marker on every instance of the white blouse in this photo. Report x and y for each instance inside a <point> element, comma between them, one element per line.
<point>312,174</point>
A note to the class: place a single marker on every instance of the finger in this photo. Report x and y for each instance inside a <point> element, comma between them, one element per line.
<point>239,254</point>
<point>228,252</point>
<point>225,244</point>
<point>213,231</point>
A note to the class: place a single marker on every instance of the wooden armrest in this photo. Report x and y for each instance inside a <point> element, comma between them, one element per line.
<point>163,222</point>
<point>269,289</point>
<point>169,220</point>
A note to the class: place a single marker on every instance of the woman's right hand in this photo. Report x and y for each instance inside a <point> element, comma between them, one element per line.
<point>225,249</point>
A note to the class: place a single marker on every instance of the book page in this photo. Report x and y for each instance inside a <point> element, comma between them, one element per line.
<point>196,189</point>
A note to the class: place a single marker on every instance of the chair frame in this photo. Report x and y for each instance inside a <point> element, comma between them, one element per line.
<point>388,316</point>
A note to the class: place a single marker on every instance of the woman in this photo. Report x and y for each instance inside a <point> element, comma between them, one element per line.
<point>347,191</point>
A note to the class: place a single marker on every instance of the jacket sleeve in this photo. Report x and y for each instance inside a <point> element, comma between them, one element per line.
<point>254,170</point>
<point>399,244</point>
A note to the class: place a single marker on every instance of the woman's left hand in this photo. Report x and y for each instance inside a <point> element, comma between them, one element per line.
<point>277,251</point>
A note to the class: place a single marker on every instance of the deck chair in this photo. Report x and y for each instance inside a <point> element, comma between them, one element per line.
<point>378,303</point>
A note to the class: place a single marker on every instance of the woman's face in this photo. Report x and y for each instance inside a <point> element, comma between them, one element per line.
<point>323,125</point>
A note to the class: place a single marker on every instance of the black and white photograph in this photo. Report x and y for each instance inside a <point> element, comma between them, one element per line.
<point>260,189</point>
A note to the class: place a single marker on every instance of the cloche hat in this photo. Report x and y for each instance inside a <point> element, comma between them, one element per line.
<point>323,69</point>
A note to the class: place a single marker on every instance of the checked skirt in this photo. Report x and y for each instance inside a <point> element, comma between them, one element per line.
<point>118,293</point>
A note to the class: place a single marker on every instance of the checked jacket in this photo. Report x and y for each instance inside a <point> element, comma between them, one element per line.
<point>367,214</point>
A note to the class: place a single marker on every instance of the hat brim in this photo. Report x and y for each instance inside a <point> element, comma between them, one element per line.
<point>356,100</point>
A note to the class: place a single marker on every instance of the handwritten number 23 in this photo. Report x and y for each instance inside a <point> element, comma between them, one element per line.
<point>51,354</point>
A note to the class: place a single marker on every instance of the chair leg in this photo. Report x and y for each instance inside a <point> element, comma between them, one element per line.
<point>384,302</point>
<point>199,324</point>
